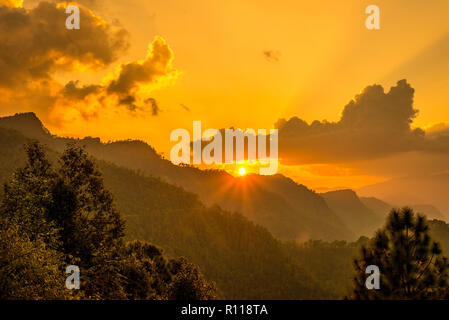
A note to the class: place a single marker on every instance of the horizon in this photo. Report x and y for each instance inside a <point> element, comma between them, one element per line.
<point>230,171</point>
<point>285,78</point>
<point>248,153</point>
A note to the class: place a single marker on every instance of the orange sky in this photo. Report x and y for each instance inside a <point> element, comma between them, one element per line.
<point>324,56</point>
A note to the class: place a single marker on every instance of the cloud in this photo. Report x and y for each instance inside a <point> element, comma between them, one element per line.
<point>185,107</point>
<point>35,46</point>
<point>374,124</point>
<point>92,4</point>
<point>272,55</point>
<point>154,106</point>
<point>11,3</point>
<point>74,91</point>
<point>35,43</point>
<point>132,83</point>
<point>153,71</point>
<point>438,129</point>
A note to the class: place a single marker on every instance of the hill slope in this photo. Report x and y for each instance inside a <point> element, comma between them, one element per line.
<point>381,208</point>
<point>288,210</point>
<point>353,212</point>
<point>245,260</point>
<point>428,189</point>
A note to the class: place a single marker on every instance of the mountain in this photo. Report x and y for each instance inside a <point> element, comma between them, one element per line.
<point>288,210</point>
<point>244,259</point>
<point>430,211</point>
<point>424,189</point>
<point>381,208</point>
<point>307,208</point>
<point>27,123</point>
<point>353,212</point>
<point>440,231</point>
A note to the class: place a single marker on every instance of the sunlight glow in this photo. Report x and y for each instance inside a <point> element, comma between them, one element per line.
<point>242,171</point>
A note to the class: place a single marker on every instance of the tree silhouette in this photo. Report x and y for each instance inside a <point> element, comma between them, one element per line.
<point>51,218</point>
<point>188,283</point>
<point>29,269</point>
<point>83,209</point>
<point>28,196</point>
<point>411,264</point>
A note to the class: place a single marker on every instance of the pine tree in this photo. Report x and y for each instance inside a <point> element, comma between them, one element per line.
<point>53,218</point>
<point>411,264</point>
<point>188,283</point>
<point>28,196</point>
<point>29,269</point>
<point>83,209</point>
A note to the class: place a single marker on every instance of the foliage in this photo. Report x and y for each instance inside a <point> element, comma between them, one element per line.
<point>188,283</point>
<point>243,259</point>
<point>29,269</point>
<point>50,218</point>
<point>411,264</point>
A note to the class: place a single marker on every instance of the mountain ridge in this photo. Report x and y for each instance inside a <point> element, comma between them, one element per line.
<point>296,213</point>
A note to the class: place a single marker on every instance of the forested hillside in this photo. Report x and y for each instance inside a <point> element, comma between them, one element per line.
<point>288,210</point>
<point>353,212</point>
<point>243,259</point>
<point>58,219</point>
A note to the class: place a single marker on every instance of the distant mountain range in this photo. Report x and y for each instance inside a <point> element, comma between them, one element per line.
<point>290,211</point>
<point>354,213</point>
<point>230,250</point>
<point>428,194</point>
<point>235,242</point>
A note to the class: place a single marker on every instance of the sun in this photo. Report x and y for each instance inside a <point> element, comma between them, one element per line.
<point>242,171</point>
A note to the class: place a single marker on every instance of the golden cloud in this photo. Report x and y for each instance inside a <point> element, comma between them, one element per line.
<point>374,124</point>
<point>131,84</point>
<point>11,3</point>
<point>35,44</point>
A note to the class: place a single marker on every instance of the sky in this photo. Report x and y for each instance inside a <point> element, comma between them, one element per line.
<point>139,69</point>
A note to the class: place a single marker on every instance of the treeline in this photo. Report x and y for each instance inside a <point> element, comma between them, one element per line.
<point>52,217</point>
<point>244,260</point>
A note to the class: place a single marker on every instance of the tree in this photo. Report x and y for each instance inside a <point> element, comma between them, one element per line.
<point>84,209</point>
<point>28,196</point>
<point>146,271</point>
<point>29,270</point>
<point>411,264</point>
<point>189,283</point>
<point>51,218</point>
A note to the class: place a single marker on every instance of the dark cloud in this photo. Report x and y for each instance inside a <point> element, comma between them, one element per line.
<point>438,130</point>
<point>129,85</point>
<point>154,106</point>
<point>373,125</point>
<point>185,107</point>
<point>91,4</point>
<point>129,102</point>
<point>11,3</point>
<point>35,43</point>
<point>74,91</point>
<point>156,65</point>
<point>272,55</point>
